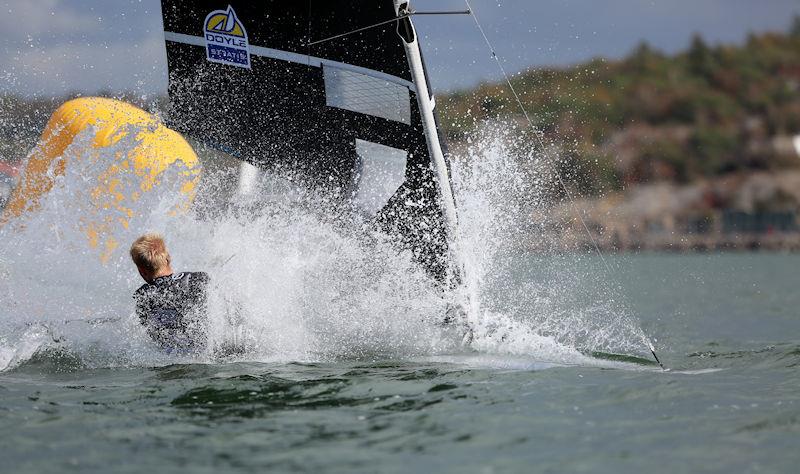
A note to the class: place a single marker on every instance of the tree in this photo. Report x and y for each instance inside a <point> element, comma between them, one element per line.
<point>643,57</point>
<point>794,30</point>
<point>701,59</point>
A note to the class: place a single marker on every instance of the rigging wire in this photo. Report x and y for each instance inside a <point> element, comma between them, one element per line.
<point>386,22</point>
<point>359,30</point>
<point>540,138</point>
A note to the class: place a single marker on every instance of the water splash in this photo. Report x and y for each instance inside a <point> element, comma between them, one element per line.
<point>528,295</point>
<point>294,284</point>
<point>289,283</point>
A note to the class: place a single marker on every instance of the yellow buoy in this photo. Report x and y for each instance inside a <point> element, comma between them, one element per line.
<point>157,148</point>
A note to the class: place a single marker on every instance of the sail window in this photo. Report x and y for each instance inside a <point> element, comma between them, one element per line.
<point>365,94</point>
<point>381,171</point>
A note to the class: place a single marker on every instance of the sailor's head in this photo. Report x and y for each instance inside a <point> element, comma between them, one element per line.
<point>150,254</point>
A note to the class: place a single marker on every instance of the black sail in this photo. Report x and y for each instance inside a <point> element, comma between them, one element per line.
<point>246,78</point>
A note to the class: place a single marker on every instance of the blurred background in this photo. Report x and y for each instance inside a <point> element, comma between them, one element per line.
<point>675,125</point>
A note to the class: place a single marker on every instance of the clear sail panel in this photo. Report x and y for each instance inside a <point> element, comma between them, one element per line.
<point>381,171</point>
<point>365,94</point>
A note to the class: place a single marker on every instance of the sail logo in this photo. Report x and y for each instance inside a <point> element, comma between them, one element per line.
<point>226,39</point>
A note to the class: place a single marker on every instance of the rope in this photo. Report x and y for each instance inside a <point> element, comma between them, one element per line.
<point>386,22</point>
<point>358,30</point>
<point>537,132</point>
<point>540,138</point>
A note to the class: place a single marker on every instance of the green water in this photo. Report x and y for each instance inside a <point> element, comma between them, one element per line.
<point>728,327</point>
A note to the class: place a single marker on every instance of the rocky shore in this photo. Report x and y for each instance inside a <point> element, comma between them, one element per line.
<point>746,211</point>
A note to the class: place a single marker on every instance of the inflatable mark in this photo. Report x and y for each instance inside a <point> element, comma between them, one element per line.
<point>156,149</point>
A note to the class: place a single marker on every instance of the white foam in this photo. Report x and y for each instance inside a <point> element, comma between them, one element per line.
<point>305,288</point>
<point>519,278</point>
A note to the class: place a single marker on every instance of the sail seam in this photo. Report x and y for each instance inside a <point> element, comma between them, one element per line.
<point>297,58</point>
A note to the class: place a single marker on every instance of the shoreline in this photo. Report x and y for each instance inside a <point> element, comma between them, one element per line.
<point>784,243</point>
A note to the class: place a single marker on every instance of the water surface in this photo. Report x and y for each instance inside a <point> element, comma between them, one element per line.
<point>726,326</point>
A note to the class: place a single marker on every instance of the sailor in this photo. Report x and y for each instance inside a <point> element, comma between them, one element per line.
<point>171,306</point>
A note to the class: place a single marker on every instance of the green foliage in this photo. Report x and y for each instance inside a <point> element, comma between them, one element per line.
<point>701,60</point>
<point>794,30</point>
<point>715,149</point>
<point>672,158</point>
<point>604,175</point>
<point>693,106</point>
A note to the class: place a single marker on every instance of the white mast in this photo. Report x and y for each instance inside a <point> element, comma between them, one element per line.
<point>426,105</point>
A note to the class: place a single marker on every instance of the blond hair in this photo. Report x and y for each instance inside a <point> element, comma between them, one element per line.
<point>149,252</point>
